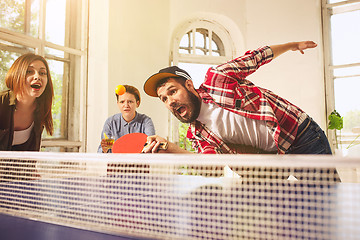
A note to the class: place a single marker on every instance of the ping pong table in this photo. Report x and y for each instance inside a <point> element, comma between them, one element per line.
<point>158,204</point>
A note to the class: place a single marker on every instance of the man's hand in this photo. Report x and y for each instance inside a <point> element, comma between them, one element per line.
<point>301,46</point>
<point>153,146</point>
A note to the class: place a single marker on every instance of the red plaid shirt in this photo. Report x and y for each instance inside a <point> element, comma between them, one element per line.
<point>226,86</point>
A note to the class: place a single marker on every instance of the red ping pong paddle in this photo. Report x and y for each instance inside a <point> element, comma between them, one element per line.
<point>132,143</point>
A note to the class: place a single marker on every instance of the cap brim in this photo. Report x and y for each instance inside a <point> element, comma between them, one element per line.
<point>151,82</point>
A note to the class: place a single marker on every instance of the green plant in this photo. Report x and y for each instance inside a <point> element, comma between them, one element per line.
<point>183,140</point>
<point>336,121</point>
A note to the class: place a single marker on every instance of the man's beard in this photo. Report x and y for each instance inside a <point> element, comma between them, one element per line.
<point>193,108</point>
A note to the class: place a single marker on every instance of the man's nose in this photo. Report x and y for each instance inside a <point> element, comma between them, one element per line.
<point>171,101</point>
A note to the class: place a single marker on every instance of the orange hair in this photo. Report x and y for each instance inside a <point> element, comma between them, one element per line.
<point>132,90</point>
<point>15,80</point>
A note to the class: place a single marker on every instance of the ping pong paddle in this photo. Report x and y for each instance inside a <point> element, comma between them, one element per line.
<point>132,143</point>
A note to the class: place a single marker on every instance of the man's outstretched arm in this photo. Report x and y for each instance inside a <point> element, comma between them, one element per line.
<point>293,46</point>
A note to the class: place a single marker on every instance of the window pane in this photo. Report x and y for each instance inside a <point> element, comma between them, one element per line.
<point>350,71</point>
<point>12,15</point>
<point>34,22</point>
<point>184,41</point>
<point>199,40</point>
<point>7,59</point>
<point>217,45</point>
<point>347,94</point>
<point>347,103</point>
<point>335,1</point>
<point>58,109</point>
<point>199,52</point>
<point>55,52</point>
<point>184,51</point>
<point>55,21</point>
<point>214,46</point>
<point>196,71</point>
<point>345,40</point>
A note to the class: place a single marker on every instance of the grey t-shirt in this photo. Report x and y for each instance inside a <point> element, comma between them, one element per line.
<point>117,127</point>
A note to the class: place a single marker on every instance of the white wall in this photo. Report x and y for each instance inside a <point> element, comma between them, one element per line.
<point>131,40</point>
<point>138,43</point>
<point>298,78</point>
<point>98,72</point>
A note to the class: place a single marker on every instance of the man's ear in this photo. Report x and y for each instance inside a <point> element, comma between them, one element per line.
<point>189,84</point>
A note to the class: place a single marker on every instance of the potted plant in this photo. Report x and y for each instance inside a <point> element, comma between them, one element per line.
<point>336,121</point>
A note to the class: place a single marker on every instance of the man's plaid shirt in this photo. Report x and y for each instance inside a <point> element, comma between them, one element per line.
<point>226,86</point>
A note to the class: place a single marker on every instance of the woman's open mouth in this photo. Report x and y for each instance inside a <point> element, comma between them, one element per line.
<point>36,86</point>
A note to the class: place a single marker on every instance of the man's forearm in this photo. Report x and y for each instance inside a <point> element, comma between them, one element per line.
<point>282,48</point>
<point>293,46</point>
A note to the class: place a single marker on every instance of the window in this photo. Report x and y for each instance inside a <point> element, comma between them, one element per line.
<point>342,63</point>
<point>199,45</point>
<point>200,41</point>
<point>55,29</point>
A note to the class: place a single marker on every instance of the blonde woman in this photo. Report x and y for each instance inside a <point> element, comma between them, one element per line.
<point>25,108</point>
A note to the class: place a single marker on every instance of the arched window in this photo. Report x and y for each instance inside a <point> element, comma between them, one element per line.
<point>201,41</point>
<point>198,45</point>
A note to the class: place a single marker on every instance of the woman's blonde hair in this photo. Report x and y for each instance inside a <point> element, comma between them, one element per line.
<point>15,80</point>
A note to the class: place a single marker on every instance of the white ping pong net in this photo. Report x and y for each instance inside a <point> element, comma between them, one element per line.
<point>164,196</point>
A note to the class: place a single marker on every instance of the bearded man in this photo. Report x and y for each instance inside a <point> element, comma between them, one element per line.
<point>229,114</point>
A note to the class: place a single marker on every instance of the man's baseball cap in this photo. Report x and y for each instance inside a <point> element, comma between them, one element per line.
<point>151,82</point>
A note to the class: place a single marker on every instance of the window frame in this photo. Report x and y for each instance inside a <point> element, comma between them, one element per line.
<point>327,11</point>
<point>75,54</point>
